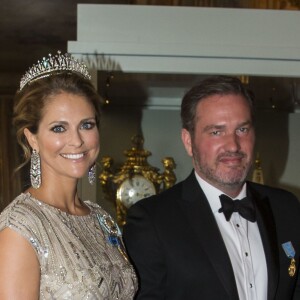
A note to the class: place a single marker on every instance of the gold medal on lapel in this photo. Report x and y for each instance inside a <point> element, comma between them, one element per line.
<point>290,253</point>
<point>292,267</point>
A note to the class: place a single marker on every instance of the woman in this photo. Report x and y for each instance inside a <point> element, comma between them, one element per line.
<point>53,245</point>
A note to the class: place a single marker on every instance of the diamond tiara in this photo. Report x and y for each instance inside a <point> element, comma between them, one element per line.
<point>53,65</point>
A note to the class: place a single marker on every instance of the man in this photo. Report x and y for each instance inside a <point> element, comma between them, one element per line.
<point>186,243</point>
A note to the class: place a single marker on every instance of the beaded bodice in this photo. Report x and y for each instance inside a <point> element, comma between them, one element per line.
<point>76,260</point>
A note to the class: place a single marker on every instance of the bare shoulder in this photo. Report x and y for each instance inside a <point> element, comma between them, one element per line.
<point>19,267</point>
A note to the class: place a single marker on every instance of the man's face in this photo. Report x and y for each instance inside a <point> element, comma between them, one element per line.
<point>223,141</point>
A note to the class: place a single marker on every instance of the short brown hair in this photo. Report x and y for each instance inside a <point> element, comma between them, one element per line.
<point>214,85</point>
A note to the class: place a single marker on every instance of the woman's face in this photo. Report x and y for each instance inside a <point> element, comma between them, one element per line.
<point>67,138</point>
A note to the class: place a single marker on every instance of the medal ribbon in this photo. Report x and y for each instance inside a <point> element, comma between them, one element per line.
<point>290,253</point>
<point>112,232</point>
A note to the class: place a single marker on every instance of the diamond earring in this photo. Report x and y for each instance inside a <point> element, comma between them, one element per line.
<point>92,174</point>
<point>35,170</point>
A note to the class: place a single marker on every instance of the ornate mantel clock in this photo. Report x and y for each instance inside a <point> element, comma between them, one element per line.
<point>136,179</point>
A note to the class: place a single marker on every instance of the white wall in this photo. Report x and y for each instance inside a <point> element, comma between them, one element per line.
<point>190,39</point>
<point>162,131</point>
<point>290,178</point>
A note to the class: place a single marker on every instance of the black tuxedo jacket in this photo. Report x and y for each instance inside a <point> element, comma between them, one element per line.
<point>176,247</point>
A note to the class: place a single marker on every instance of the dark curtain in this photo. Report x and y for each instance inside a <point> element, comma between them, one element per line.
<point>9,158</point>
<point>258,4</point>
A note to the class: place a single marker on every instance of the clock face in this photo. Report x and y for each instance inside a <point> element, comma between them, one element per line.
<point>134,189</point>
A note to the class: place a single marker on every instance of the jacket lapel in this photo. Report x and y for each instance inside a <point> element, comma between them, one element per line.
<point>203,223</point>
<point>266,225</point>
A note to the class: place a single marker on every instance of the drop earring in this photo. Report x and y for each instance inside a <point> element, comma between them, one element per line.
<point>92,174</point>
<point>35,170</point>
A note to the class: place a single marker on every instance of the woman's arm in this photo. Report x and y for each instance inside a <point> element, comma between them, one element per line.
<point>19,268</point>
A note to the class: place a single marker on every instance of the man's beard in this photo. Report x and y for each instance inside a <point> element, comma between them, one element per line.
<point>230,178</point>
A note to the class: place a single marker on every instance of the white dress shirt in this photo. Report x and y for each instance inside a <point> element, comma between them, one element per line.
<point>244,245</point>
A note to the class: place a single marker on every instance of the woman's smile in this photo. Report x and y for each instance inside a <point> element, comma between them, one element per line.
<point>73,156</point>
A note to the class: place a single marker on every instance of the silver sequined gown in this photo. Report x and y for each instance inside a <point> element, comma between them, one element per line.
<point>76,260</point>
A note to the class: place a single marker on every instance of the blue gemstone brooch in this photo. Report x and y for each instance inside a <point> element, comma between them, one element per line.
<point>112,233</point>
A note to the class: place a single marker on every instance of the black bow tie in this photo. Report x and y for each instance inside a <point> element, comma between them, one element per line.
<point>244,207</point>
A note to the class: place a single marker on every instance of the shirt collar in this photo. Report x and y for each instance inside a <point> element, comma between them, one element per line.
<point>212,194</point>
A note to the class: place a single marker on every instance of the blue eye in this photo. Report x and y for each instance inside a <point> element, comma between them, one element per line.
<point>88,125</point>
<point>58,129</point>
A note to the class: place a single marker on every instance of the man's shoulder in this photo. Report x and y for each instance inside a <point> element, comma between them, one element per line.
<point>169,198</point>
<point>163,197</point>
<point>269,190</point>
<point>275,195</point>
